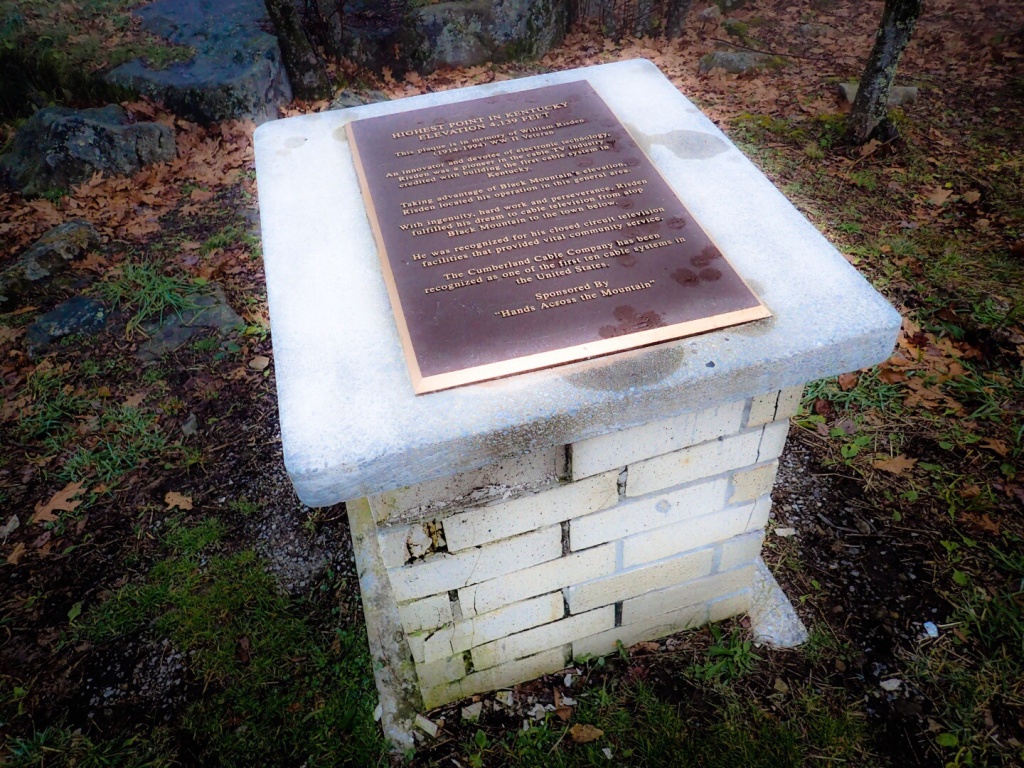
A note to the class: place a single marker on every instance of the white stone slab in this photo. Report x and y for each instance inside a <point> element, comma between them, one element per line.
<point>350,423</point>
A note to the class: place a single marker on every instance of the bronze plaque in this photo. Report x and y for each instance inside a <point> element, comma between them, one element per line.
<point>528,229</point>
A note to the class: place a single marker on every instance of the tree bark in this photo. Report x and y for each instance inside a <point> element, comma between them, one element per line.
<point>675,16</point>
<point>305,70</point>
<point>870,113</point>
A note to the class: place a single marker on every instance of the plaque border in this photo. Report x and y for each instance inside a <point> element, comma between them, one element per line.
<point>577,353</point>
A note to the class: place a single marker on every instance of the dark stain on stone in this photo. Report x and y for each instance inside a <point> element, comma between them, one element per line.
<point>294,142</point>
<point>339,133</point>
<point>676,222</point>
<point>629,260</point>
<point>640,368</point>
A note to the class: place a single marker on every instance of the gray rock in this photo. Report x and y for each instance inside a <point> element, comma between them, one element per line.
<point>79,314</point>
<point>737,62</point>
<point>899,95</point>
<point>814,30</point>
<point>236,70</point>
<point>173,330</point>
<point>460,33</point>
<point>45,258</point>
<point>348,98</point>
<point>60,147</point>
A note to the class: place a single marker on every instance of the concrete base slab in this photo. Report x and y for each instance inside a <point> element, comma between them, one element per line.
<point>773,621</point>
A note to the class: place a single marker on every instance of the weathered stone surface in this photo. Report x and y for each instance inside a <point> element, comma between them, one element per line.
<point>460,33</point>
<point>737,62</point>
<point>898,94</point>
<point>815,30</point>
<point>46,257</point>
<point>210,311</point>
<point>79,314</point>
<point>236,70</point>
<point>60,147</point>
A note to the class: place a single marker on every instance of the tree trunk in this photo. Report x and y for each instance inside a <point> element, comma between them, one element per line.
<point>305,71</point>
<point>675,16</point>
<point>870,113</point>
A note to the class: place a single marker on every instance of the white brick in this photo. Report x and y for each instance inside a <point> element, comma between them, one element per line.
<point>468,633</point>
<point>759,517</point>
<point>429,613</point>
<point>517,473</point>
<point>392,545</point>
<point>526,513</point>
<point>605,642</point>
<point>542,638</point>
<point>789,402</point>
<point>443,672</point>
<point>762,409</point>
<point>538,580</point>
<point>773,442</point>
<point>617,449</point>
<point>682,537</point>
<point>775,406</point>
<point>502,676</point>
<point>444,572</point>
<point>694,463</point>
<point>727,607</point>
<point>740,551</point>
<point>748,484</point>
<point>637,515</point>
<point>637,581</point>
<point>674,598</point>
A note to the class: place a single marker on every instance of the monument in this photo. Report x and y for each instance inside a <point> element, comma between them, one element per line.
<point>504,526</point>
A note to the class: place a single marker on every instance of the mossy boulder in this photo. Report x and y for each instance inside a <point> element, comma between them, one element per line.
<point>60,147</point>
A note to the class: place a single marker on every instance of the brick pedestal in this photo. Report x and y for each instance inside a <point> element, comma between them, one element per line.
<point>514,570</point>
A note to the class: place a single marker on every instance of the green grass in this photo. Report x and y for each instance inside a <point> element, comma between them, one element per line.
<point>976,679</point>
<point>641,729</point>
<point>278,689</point>
<point>127,439</point>
<point>148,292</point>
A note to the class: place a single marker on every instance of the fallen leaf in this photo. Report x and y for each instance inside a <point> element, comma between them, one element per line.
<point>996,445</point>
<point>780,685</point>
<point>939,196</point>
<point>134,401</point>
<point>972,196</point>
<point>847,381</point>
<point>259,363</point>
<point>174,499</point>
<point>10,334</point>
<point>15,556</point>
<point>92,262</point>
<point>584,734</point>
<point>60,502</point>
<point>644,648</point>
<point>897,465</point>
<point>986,523</point>
<point>200,195</point>
<point>244,648</point>
<point>563,713</point>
